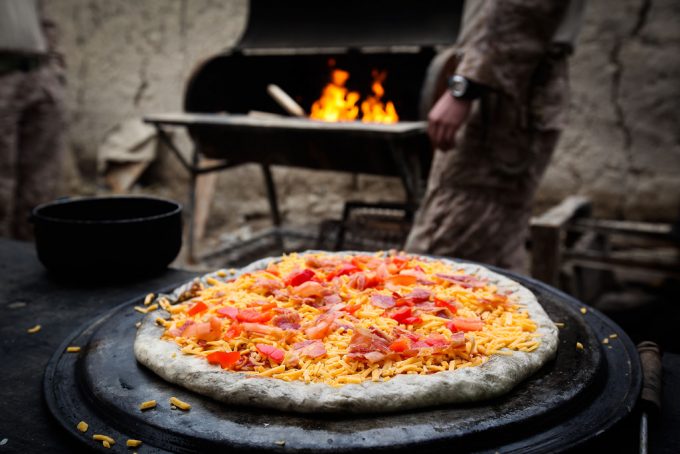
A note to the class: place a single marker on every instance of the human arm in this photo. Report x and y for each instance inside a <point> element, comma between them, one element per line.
<point>502,46</point>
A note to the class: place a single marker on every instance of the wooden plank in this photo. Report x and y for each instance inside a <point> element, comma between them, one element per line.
<point>205,192</point>
<point>637,259</point>
<point>559,215</point>
<point>657,231</point>
<point>546,253</point>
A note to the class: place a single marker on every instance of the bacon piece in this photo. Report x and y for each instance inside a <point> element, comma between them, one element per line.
<point>458,339</point>
<point>357,281</point>
<point>431,308</point>
<point>227,311</point>
<point>265,286</point>
<point>263,329</point>
<point>436,340</point>
<point>384,301</point>
<point>322,325</point>
<point>309,289</point>
<point>320,262</point>
<point>463,280</point>
<point>496,300</point>
<point>177,332</point>
<point>281,295</point>
<point>208,331</point>
<point>286,319</point>
<point>398,331</point>
<point>374,357</point>
<point>372,340</point>
<point>275,354</point>
<point>418,295</point>
<point>332,299</point>
<point>310,348</point>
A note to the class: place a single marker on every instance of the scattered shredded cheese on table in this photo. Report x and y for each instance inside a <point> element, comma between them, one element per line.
<point>147,405</point>
<point>180,404</point>
<point>34,330</point>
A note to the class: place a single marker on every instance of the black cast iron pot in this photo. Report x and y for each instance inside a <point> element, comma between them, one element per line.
<point>109,237</point>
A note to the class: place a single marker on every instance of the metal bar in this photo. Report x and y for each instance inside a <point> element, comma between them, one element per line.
<point>273,202</point>
<point>165,138</point>
<point>408,179</point>
<point>271,194</point>
<point>192,204</point>
<point>215,168</point>
<point>644,433</point>
<point>274,232</point>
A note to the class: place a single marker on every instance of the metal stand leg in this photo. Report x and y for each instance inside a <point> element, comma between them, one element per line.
<point>191,208</point>
<point>273,204</point>
<point>410,173</point>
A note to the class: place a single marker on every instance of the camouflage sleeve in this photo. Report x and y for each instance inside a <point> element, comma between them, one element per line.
<point>507,42</point>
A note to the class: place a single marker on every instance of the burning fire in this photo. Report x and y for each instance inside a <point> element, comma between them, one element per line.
<point>372,110</point>
<point>337,103</point>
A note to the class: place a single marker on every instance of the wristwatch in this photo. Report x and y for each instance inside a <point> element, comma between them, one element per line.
<point>463,88</point>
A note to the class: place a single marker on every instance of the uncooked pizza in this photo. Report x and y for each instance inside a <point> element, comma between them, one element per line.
<point>348,332</point>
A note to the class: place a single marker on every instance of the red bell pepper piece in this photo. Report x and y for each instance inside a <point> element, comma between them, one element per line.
<point>400,345</point>
<point>224,359</point>
<point>197,308</point>
<point>300,277</point>
<point>447,304</point>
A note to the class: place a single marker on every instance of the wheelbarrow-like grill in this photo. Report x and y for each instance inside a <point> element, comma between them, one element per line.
<point>290,44</point>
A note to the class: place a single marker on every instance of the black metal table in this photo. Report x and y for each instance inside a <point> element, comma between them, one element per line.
<point>29,296</point>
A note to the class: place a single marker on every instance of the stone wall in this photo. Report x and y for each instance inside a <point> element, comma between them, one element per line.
<point>130,57</point>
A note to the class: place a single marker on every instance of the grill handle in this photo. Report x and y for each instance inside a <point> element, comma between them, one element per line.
<point>650,357</point>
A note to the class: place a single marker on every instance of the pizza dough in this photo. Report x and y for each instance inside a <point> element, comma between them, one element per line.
<point>497,376</point>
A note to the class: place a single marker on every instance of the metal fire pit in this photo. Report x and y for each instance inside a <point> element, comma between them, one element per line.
<point>290,44</point>
<point>571,400</point>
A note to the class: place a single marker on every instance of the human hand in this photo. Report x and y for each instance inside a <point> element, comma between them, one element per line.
<point>445,119</point>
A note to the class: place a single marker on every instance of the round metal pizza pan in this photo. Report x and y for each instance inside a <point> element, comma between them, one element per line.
<point>561,406</point>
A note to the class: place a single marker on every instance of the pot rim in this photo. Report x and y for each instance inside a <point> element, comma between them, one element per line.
<point>37,216</point>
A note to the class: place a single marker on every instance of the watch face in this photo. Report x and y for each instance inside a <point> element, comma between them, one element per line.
<point>458,86</point>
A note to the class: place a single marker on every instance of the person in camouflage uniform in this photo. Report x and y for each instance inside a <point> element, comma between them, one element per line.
<point>31,115</point>
<point>479,194</point>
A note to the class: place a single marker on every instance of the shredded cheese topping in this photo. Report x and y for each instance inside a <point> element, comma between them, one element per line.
<point>341,319</point>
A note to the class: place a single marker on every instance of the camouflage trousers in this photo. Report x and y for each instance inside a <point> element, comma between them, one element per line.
<point>31,145</point>
<point>479,195</point>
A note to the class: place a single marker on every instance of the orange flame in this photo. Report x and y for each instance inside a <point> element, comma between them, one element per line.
<point>373,110</point>
<point>337,103</point>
